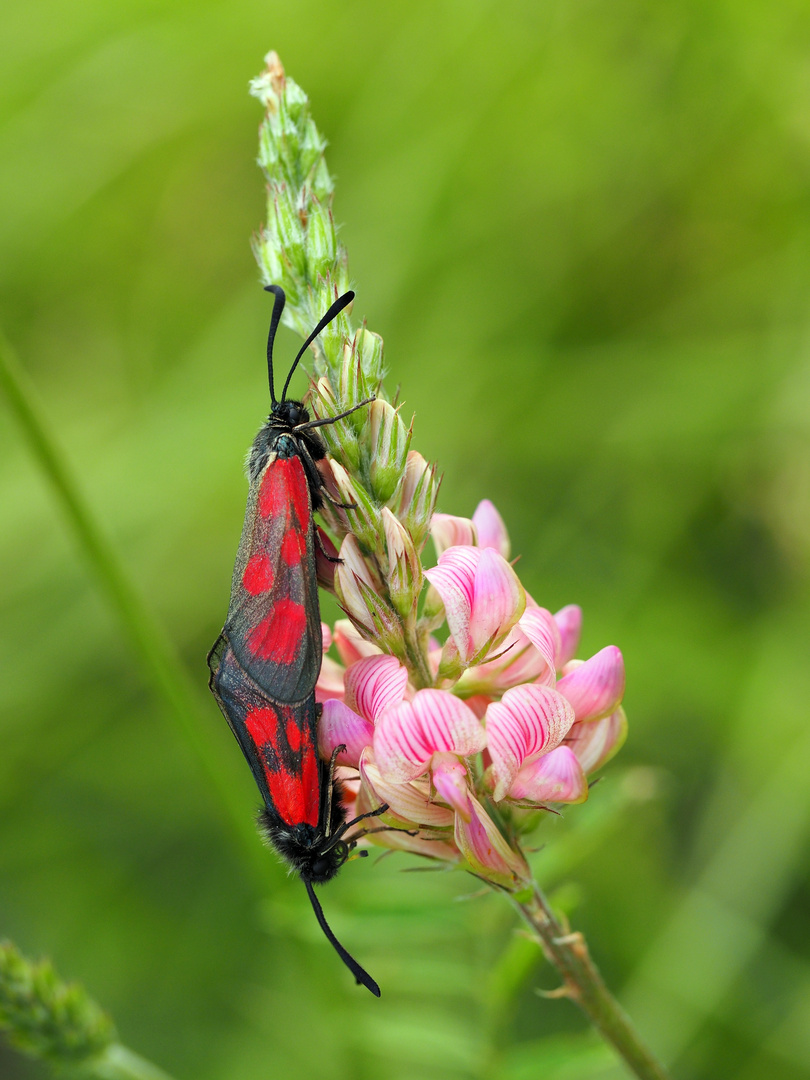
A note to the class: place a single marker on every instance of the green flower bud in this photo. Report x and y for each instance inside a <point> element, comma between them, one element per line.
<point>404,575</point>
<point>388,442</point>
<point>420,488</point>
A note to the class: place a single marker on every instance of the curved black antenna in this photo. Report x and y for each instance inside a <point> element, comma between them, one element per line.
<point>279,300</point>
<point>334,310</point>
<point>359,973</point>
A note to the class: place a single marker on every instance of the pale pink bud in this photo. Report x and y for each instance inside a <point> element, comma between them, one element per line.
<point>340,725</point>
<point>420,487</point>
<point>483,599</point>
<point>527,722</point>
<point>554,777</point>
<point>594,687</point>
<point>486,851</point>
<point>596,741</point>
<point>404,575</point>
<point>409,734</point>
<point>375,683</point>
<point>491,529</point>
<point>410,802</point>
<point>351,645</point>
<point>541,629</point>
<point>447,530</point>
<point>452,782</point>
<point>569,623</point>
<point>359,593</point>
<point>326,557</point>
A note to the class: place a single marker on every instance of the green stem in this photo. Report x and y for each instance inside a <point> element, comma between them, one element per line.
<point>119,1063</point>
<point>583,984</point>
<point>155,650</point>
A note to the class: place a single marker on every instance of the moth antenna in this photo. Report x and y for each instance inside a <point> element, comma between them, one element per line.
<point>340,832</point>
<point>279,300</point>
<point>334,310</point>
<point>360,974</point>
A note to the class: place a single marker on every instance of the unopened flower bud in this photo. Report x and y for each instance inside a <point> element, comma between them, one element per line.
<point>404,577</point>
<point>326,559</point>
<point>321,240</point>
<point>420,487</point>
<point>289,234</point>
<point>359,592</point>
<point>363,515</point>
<point>340,437</point>
<point>389,442</point>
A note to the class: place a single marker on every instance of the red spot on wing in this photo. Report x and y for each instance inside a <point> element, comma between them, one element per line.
<point>259,575</point>
<point>279,634</point>
<point>293,547</point>
<point>284,486</point>
<point>262,724</point>
<point>291,771</point>
<point>294,735</point>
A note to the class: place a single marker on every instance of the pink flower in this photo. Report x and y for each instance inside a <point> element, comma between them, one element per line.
<point>487,852</point>
<point>490,529</point>
<point>447,530</point>
<point>596,741</point>
<point>371,685</point>
<point>594,687</point>
<point>409,734</point>
<point>483,599</point>
<point>528,722</point>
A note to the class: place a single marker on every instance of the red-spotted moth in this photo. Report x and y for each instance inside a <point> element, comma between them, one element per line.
<point>265,663</point>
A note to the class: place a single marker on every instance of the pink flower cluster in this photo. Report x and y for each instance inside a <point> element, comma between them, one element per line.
<point>512,723</point>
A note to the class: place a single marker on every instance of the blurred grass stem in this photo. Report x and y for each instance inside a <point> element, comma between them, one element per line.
<point>155,650</point>
<point>583,984</point>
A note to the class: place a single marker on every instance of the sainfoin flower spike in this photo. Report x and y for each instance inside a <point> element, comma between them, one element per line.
<point>453,706</point>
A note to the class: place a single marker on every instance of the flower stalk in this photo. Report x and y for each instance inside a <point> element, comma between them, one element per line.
<point>467,741</point>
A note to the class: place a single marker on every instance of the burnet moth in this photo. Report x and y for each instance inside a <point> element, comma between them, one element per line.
<point>265,663</point>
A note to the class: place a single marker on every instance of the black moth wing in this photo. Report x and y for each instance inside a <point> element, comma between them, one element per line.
<point>273,622</point>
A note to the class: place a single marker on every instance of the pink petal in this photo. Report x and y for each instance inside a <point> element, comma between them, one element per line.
<point>490,528</point>
<point>555,777</point>
<point>528,721</point>
<point>330,680</point>
<point>409,734</point>
<point>326,636</point>
<point>596,741</point>
<point>351,645</point>
<point>446,531</point>
<point>486,851</point>
<point>454,579</point>
<point>341,725</point>
<point>374,683</point>
<point>498,600</point>
<point>452,782</point>
<point>569,623</point>
<point>541,629</point>
<point>594,687</point>
<point>409,802</point>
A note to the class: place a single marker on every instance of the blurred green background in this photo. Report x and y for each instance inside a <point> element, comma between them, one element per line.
<point>582,229</point>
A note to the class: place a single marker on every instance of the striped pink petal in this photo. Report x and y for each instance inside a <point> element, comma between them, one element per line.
<point>490,528</point>
<point>594,687</point>
<point>452,782</point>
<point>486,851</point>
<point>540,628</point>
<point>374,683</point>
<point>409,802</point>
<point>596,741</point>
<point>528,721</point>
<point>569,623</point>
<point>482,596</point>
<point>446,531</point>
<point>340,725</point>
<point>409,734</point>
<point>554,777</point>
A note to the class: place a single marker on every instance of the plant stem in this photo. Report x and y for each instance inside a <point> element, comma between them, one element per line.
<point>119,1063</point>
<point>583,984</point>
<point>155,650</point>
